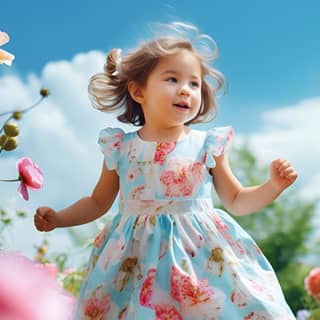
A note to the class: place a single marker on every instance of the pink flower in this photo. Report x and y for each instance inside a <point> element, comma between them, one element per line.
<point>312,283</point>
<point>30,175</point>
<point>29,293</point>
<point>5,57</point>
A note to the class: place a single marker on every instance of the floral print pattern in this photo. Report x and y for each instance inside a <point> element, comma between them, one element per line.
<point>168,253</point>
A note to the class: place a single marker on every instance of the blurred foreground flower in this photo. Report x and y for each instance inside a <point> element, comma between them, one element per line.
<point>30,176</point>
<point>28,292</point>
<point>303,315</point>
<point>5,57</point>
<point>312,284</point>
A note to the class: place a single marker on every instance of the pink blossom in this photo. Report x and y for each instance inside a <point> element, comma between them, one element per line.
<point>30,175</point>
<point>5,57</point>
<point>29,293</point>
<point>312,283</point>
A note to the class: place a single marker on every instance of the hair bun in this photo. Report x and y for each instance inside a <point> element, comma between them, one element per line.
<point>113,64</point>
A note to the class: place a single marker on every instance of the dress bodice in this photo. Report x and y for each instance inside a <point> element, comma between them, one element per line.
<point>150,170</point>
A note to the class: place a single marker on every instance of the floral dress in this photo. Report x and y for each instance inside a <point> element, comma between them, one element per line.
<point>168,253</point>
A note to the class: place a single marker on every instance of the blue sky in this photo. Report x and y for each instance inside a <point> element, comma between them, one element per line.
<point>269,52</point>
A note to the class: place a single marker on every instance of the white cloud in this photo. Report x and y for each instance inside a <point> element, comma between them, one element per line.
<point>61,136</point>
<point>291,132</point>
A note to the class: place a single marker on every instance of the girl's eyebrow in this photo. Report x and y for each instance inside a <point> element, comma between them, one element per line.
<point>177,72</point>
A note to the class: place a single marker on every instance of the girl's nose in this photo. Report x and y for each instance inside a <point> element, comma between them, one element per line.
<point>184,91</point>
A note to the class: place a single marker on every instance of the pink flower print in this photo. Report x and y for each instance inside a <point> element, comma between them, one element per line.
<point>162,149</point>
<point>224,230</point>
<point>182,180</point>
<point>110,144</point>
<point>184,288</point>
<point>132,173</point>
<point>196,297</point>
<point>117,141</point>
<point>165,312</point>
<point>100,237</point>
<point>164,249</point>
<point>137,192</point>
<point>112,252</point>
<point>147,290</point>
<point>97,307</point>
<point>239,298</point>
<point>204,158</point>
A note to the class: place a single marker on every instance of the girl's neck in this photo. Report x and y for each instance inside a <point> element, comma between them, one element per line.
<point>149,133</point>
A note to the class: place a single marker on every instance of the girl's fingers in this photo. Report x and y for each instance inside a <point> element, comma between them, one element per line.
<point>284,165</point>
<point>292,176</point>
<point>286,171</point>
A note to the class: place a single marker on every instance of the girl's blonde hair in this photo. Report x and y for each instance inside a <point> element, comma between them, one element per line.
<point>108,91</point>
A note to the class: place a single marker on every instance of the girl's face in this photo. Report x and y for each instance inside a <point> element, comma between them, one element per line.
<point>172,94</point>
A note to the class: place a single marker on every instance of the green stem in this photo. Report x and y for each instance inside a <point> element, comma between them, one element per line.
<point>10,180</point>
<point>22,111</point>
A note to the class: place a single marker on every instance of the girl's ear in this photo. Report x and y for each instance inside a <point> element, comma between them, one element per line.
<point>135,91</point>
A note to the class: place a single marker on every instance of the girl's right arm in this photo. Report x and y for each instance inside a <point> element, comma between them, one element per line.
<point>86,209</point>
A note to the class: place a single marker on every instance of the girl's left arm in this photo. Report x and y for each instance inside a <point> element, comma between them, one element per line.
<point>241,200</point>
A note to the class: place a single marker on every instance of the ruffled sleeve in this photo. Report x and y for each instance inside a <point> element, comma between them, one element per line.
<point>217,141</point>
<point>110,140</point>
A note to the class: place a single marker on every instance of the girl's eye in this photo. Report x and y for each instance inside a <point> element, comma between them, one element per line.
<point>172,79</point>
<point>195,84</point>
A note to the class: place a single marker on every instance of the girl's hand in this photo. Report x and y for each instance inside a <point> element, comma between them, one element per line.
<point>45,219</point>
<point>282,174</point>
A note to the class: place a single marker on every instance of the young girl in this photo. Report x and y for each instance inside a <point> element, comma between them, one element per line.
<point>169,254</point>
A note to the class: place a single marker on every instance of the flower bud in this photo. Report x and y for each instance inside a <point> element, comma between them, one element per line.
<point>11,144</point>
<point>17,115</point>
<point>11,129</point>
<point>44,92</point>
<point>3,140</point>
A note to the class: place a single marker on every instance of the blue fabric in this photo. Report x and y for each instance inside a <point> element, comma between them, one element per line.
<point>168,253</point>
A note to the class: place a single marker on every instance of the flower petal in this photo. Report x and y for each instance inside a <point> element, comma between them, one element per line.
<point>6,57</point>
<point>4,38</point>
<point>23,191</point>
